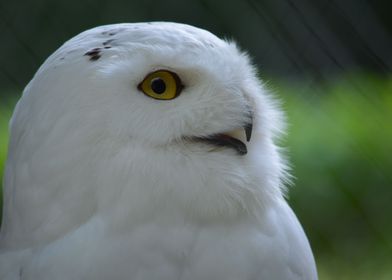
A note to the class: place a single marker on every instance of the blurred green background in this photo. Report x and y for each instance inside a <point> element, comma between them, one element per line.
<point>328,61</point>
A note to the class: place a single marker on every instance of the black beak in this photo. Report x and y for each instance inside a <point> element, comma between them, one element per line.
<point>249,126</point>
<point>248,131</point>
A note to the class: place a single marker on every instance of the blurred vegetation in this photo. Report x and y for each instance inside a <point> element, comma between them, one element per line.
<point>340,147</point>
<point>7,104</point>
<point>341,151</point>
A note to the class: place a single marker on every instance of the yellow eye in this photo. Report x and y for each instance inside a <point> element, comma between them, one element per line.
<point>161,84</point>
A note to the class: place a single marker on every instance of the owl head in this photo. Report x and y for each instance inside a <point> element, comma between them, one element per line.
<point>142,119</point>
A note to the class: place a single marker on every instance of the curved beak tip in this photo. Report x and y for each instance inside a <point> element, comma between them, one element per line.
<point>248,131</point>
<point>248,127</point>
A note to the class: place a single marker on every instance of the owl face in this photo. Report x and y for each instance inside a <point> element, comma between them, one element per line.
<point>166,109</point>
<point>192,93</point>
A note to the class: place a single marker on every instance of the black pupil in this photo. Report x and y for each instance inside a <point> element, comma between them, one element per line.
<point>158,85</point>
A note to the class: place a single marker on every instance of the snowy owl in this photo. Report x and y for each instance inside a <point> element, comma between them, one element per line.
<point>146,151</point>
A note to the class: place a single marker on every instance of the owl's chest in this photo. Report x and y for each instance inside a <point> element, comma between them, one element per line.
<point>191,252</point>
<point>166,251</point>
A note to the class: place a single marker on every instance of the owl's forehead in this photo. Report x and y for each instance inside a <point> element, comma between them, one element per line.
<point>160,43</point>
<point>149,34</point>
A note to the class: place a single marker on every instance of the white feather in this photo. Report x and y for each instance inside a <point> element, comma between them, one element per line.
<point>100,183</point>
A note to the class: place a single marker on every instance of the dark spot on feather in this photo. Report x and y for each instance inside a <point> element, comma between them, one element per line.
<point>94,54</point>
<point>107,42</point>
<point>95,57</point>
<point>107,47</point>
<point>93,51</point>
<point>112,32</point>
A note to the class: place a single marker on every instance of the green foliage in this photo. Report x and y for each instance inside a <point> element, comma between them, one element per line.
<point>6,106</point>
<point>340,147</point>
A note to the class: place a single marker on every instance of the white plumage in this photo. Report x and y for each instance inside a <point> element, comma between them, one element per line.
<point>105,182</point>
